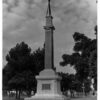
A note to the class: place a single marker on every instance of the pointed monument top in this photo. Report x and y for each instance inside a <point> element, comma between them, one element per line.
<point>48,9</point>
<point>49,18</point>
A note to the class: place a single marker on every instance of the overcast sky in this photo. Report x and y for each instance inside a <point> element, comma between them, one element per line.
<point>23,20</point>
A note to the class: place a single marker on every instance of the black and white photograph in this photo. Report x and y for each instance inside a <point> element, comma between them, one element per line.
<point>49,50</point>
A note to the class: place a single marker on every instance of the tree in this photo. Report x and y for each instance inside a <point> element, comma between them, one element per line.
<point>19,59</point>
<point>38,57</point>
<point>65,82</point>
<point>70,82</point>
<point>78,59</point>
<point>87,85</point>
<point>84,58</point>
<point>23,81</point>
<point>21,68</point>
<point>93,60</point>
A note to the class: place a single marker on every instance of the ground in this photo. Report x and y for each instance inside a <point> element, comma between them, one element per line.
<point>83,98</point>
<point>86,98</point>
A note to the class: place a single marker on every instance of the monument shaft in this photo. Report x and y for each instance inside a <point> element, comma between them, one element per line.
<point>49,28</point>
<point>49,57</point>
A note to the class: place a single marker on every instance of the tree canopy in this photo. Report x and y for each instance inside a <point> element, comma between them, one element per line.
<point>22,66</point>
<point>84,57</point>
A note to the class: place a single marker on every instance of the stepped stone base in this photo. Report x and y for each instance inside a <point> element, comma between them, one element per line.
<point>47,97</point>
<point>48,87</point>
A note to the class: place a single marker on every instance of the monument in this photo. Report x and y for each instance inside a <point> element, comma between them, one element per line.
<point>48,81</point>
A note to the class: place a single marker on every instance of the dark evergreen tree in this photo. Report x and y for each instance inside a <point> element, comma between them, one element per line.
<point>21,68</point>
<point>84,58</point>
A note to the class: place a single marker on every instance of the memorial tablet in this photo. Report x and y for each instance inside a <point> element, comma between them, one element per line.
<point>46,87</point>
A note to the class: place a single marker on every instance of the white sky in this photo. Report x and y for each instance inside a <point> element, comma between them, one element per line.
<point>23,20</point>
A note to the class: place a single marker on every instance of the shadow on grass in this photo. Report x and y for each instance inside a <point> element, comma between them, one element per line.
<point>11,98</point>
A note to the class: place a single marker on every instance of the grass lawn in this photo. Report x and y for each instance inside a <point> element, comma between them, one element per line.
<point>11,98</point>
<point>82,98</point>
<point>86,98</point>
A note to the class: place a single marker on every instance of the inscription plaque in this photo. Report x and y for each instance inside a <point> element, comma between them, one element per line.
<point>46,87</point>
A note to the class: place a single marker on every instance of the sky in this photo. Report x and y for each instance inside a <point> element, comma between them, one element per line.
<point>23,20</point>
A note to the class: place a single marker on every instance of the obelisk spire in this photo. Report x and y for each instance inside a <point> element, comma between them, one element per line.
<point>48,9</point>
<point>49,28</point>
<point>49,17</point>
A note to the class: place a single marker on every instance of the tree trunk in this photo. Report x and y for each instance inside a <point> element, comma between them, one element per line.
<point>19,94</point>
<point>16,94</point>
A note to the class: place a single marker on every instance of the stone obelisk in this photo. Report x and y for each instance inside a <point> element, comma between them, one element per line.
<point>48,81</point>
<point>49,28</point>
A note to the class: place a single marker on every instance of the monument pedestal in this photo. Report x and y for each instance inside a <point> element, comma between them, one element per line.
<point>48,86</point>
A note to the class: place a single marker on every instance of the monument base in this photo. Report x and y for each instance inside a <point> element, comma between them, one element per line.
<point>47,97</point>
<point>48,86</point>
